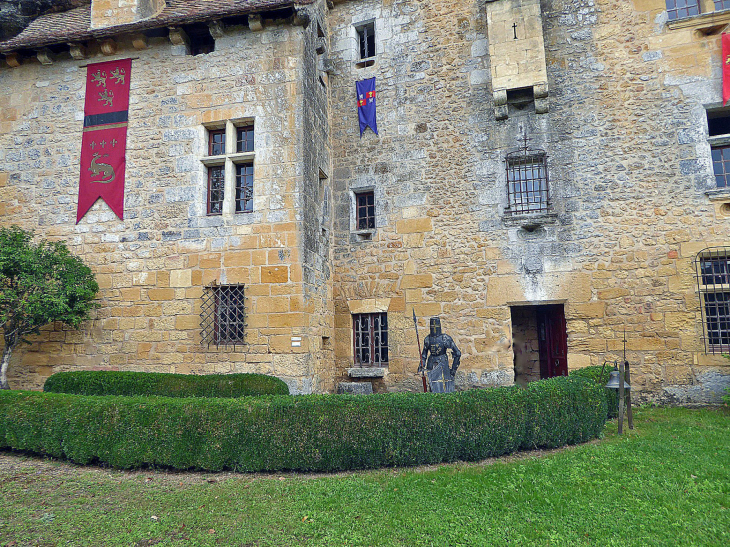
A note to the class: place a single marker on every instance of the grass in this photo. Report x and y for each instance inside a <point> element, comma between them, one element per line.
<point>665,483</point>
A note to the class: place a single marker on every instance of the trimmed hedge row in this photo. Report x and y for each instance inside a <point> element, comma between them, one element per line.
<point>106,382</point>
<point>594,373</point>
<point>310,433</point>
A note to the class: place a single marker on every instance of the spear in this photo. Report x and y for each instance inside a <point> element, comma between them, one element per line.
<point>420,355</point>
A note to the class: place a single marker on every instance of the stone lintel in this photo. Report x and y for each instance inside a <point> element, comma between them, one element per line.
<point>366,372</point>
<point>369,305</point>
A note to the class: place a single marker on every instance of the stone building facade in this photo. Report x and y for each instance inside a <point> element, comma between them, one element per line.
<point>542,179</point>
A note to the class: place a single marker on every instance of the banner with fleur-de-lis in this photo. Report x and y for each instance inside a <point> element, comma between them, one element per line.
<point>104,141</point>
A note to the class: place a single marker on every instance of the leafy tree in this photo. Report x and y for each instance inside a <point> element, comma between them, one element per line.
<point>39,283</point>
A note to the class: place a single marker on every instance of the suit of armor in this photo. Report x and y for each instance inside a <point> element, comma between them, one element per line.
<point>440,377</point>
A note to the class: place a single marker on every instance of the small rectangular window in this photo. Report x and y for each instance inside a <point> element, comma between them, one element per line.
<point>713,279</point>
<point>244,187</point>
<point>370,332</point>
<point>366,40</point>
<point>527,184</point>
<point>223,315</point>
<point>679,9</point>
<point>365,210</point>
<point>216,142</point>
<point>244,139</point>
<point>721,165</point>
<point>722,4</point>
<point>216,184</point>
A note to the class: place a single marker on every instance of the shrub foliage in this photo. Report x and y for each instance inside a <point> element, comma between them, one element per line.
<point>164,385</point>
<point>600,375</point>
<point>310,433</point>
<point>40,282</point>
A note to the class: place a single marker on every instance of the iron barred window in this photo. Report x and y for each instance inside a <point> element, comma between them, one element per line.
<point>366,40</point>
<point>527,180</point>
<point>370,333</point>
<point>223,315</point>
<point>679,9</point>
<point>712,267</point>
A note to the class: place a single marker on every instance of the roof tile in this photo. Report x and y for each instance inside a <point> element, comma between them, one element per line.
<point>75,25</point>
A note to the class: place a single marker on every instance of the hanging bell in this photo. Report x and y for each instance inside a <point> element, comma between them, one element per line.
<point>613,381</point>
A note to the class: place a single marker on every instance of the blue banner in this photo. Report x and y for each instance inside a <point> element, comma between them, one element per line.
<point>366,105</point>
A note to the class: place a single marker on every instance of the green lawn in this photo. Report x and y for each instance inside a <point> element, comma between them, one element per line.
<point>665,483</point>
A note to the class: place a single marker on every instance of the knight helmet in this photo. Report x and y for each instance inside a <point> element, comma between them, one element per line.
<point>435,326</point>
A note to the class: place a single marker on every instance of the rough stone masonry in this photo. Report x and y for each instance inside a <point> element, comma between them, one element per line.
<point>613,96</point>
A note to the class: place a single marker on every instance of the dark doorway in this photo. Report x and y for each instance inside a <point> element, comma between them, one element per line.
<point>539,342</point>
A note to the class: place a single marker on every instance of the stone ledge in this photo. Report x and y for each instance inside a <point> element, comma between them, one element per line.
<point>705,22</point>
<point>355,388</point>
<point>366,372</point>
<point>529,220</point>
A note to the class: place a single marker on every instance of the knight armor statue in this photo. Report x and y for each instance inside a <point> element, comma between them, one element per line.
<point>440,377</point>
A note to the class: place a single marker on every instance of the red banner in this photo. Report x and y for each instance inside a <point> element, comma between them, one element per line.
<point>104,142</point>
<point>725,68</point>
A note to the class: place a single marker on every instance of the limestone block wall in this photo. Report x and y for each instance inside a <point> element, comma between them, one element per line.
<point>152,267</point>
<point>630,177</point>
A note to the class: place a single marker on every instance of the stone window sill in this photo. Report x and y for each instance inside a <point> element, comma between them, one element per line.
<point>364,235</point>
<point>718,194</point>
<point>366,372</point>
<point>529,221</point>
<point>707,23</point>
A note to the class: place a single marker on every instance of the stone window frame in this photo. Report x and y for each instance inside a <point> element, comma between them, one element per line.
<point>718,141</point>
<point>230,161</point>
<point>367,233</point>
<point>357,26</point>
<point>715,311</point>
<point>361,34</point>
<point>377,339</point>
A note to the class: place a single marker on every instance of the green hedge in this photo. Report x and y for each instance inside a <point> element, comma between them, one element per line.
<point>594,373</point>
<point>312,433</point>
<point>105,382</point>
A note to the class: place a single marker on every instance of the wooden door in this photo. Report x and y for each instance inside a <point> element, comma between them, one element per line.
<point>553,341</point>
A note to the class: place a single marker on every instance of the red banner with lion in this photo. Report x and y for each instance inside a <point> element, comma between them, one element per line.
<point>104,143</point>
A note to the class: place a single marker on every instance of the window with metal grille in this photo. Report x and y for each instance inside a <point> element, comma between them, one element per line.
<point>216,183</point>
<point>722,4</point>
<point>679,9</point>
<point>712,267</point>
<point>370,334</point>
<point>527,182</point>
<point>244,187</point>
<point>223,315</point>
<point>366,40</point>
<point>365,210</point>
